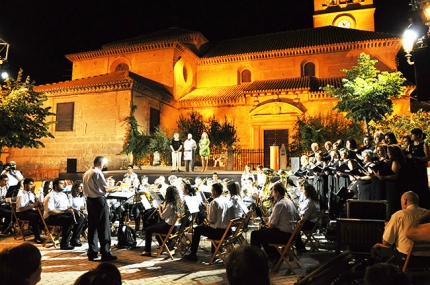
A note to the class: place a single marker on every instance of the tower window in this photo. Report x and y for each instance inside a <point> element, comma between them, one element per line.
<point>65,117</point>
<point>122,67</point>
<point>309,69</point>
<point>245,76</point>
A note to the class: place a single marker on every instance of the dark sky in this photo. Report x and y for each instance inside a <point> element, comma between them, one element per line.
<point>41,32</point>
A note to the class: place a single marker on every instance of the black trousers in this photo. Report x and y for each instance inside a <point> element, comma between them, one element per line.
<point>263,237</point>
<point>67,222</point>
<point>161,227</point>
<point>35,221</point>
<point>6,213</point>
<point>207,232</point>
<point>98,226</point>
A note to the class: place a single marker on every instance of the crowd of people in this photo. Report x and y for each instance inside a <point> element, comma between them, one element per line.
<point>382,170</point>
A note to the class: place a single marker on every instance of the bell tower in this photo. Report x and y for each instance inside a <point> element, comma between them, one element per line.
<point>350,14</point>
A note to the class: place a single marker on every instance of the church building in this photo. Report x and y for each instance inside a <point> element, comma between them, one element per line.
<point>261,83</point>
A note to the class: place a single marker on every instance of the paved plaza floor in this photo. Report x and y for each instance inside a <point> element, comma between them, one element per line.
<point>64,267</point>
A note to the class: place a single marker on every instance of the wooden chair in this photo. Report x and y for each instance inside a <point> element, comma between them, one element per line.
<point>286,251</point>
<point>218,243</point>
<point>53,232</point>
<point>417,261</point>
<point>166,237</point>
<point>18,224</point>
<point>309,234</point>
<point>238,236</point>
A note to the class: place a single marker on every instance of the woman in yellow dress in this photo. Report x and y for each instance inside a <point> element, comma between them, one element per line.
<point>204,150</point>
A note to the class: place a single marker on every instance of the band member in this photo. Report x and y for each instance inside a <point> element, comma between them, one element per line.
<point>173,207</point>
<point>217,216</point>
<point>58,211</point>
<point>25,208</point>
<point>130,178</point>
<point>5,210</point>
<point>98,212</point>
<point>280,224</point>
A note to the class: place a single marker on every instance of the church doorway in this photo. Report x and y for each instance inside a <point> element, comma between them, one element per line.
<point>273,137</point>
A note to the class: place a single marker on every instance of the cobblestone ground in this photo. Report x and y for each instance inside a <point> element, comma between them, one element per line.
<point>63,267</point>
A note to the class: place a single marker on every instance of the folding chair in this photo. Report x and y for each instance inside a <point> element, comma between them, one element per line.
<point>165,237</point>
<point>53,232</point>
<point>420,263</point>
<point>286,250</point>
<point>223,240</point>
<point>238,238</point>
<point>18,224</point>
<point>309,234</point>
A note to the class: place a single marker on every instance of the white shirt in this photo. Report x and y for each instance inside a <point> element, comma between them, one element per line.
<point>24,199</point>
<point>55,201</point>
<point>218,215</point>
<point>190,144</point>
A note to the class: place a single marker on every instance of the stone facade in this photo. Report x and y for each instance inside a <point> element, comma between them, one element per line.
<point>262,83</point>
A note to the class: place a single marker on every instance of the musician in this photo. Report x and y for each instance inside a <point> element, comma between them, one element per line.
<point>188,190</point>
<point>246,175</point>
<point>293,191</point>
<point>320,180</point>
<point>172,207</point>
<point>314,147</point>
<point>378,185</point>
<point>26,203</point>
<point>345,163</point>
<point>5,210</point>
<point>280,223</point>
<point>58,211</point>
<point>309,208</point>
<point>79,203</point>
<point>217,216</point>
<point>235,199</point>
<point>130,178</point>
<point>261,177</point>
<point>250,192</point>
<point>364,182</point>
<point>148,216</point>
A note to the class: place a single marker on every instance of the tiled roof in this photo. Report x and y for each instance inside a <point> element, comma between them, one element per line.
<point>168,35</point>
<point>122,80</point>
<point>310,84</point>
<point>323,36</point>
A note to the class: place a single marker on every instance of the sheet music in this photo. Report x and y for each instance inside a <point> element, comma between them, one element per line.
<point>120,195</point>
<point>192,203</point>
<point>145,202</point>
<point>242,206</point>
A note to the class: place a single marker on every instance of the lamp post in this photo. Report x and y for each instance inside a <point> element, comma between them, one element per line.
<point>415,44</point>
<point>4,51</point>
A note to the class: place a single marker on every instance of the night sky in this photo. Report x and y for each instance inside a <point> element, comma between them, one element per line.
<point>41,32</point>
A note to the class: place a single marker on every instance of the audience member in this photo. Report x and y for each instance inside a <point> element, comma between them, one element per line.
<point>20,265</point>
<point>395,230</point>
<point>247,265</point>
<point>420,231</point>
<point>103,274</point>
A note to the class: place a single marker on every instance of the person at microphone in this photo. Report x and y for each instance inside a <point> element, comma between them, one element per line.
<point>218,218</point>
<point>173,207</point>
<point>58,211</point>
<point>280,224</point>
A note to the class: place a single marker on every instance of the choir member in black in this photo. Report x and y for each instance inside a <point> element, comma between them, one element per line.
<point>338,145</point>
<point>364,182</point>
<point>378,138</point>
<point>407,171</point>
<point>320,179</point>
<point>332,181</point>
<point>366,145</point>
<point>304,168</point>
<point>394,184</point>
<point>419,157</point>
<point>390,138</point>
<point>351,145</point>
<point>378,185</point>
<point>345,163</point>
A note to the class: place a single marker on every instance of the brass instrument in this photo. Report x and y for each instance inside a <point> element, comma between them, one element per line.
<point>284,176</point>
<point>264,202</point>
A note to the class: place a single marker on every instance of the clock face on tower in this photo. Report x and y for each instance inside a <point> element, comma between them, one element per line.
<point>344,24</point>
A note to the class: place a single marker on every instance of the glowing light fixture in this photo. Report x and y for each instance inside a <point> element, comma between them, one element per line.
<point>408,41</point>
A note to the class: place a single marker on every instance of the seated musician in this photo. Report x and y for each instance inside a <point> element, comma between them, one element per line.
<point>280,223</point>
<point>58,211</point>
<point>5,210</point>
<point>309,208</point>
<point>25,208</point>
<point>217,217</point>
<point>79,203</point>
<point>235,199</point>
<point>188,190</point>
<point>173,207</point>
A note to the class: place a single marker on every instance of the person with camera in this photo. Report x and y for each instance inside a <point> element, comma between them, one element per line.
<point>15,177</point>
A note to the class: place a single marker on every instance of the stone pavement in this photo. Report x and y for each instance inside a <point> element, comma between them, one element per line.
<point>64,267</point>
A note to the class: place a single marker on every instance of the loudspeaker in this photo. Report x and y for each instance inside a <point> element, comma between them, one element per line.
<point>71,165</point>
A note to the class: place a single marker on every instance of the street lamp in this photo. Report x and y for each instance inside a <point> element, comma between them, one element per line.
<point>415,41</point>
<point>4,51</point>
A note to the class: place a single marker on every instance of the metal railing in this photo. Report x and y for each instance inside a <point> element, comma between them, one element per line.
<point>241,157</point>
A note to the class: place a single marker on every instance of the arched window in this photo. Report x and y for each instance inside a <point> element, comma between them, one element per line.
<point>245,76</point>
<point>309,69</point>
<point>122,67</point>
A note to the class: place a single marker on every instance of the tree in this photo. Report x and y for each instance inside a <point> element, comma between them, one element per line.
<point>135,142</point>
<point>320,129</point>
<point>23,114</point>
<point>192,125</point>
<point>160,142</point>
<point>366,92</point>
<point>402,125</point>
<point>222,135</point>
